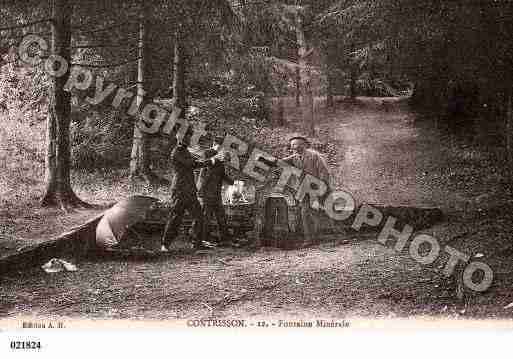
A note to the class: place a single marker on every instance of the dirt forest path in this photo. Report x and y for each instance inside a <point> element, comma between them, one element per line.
<point>378,153</point>
<point>381,161</point>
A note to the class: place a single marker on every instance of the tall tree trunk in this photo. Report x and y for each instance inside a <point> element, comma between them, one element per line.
<point>279,117</point>
<point>266,112</point>
<point>354,76</point>
<point>305,79</point>
<point>330,68</point>
<point>139,159</point>
<point>352,85</point>
<point>509,129</point>
<point>58,156</point>
<point>329,90</point>
<point>179,65</point>
<point>297,79</point>
<point>372,73</point>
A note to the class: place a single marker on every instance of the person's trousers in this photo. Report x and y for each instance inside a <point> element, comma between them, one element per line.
<point>310,219</point>
<point>178,207</point>
<point>215,209</point>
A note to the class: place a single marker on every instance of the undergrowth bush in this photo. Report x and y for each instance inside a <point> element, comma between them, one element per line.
<point>22,132</point>
<point>101,139</point>
<point>213,110</point>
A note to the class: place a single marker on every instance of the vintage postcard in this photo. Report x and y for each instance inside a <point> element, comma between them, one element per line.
<point>261,167</point>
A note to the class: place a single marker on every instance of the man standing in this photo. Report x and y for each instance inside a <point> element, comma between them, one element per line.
<point>210,183</point>
<point>310,162</point>
<point>183,193</point>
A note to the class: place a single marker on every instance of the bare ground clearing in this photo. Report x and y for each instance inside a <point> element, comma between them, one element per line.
<point>385,158</point>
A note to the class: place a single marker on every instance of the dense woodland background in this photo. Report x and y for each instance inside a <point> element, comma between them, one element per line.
<point>410,101</point>
<point>239,66</point>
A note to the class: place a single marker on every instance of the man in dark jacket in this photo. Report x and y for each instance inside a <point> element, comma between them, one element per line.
<point>183,193</point>
<point>210,183</point>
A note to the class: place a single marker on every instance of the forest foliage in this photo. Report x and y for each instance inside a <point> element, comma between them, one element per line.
<point>236,58</point>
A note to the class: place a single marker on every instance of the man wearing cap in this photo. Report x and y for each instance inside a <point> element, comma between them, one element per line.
<point>310,162</point>
<point>210,183</point>
<point>183,192</point>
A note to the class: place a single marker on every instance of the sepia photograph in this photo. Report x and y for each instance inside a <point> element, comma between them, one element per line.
<point>319,165</point>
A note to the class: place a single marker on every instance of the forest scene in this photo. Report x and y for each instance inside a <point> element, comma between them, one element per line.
<point>410,104</point>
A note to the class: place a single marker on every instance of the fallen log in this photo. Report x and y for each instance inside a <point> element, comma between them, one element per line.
<point>279,224</point>
<point>417,217</point>
<point>74,245</point>
<point>80,242</point>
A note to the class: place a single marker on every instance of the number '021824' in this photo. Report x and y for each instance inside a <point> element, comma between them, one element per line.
<point>15,345</point>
